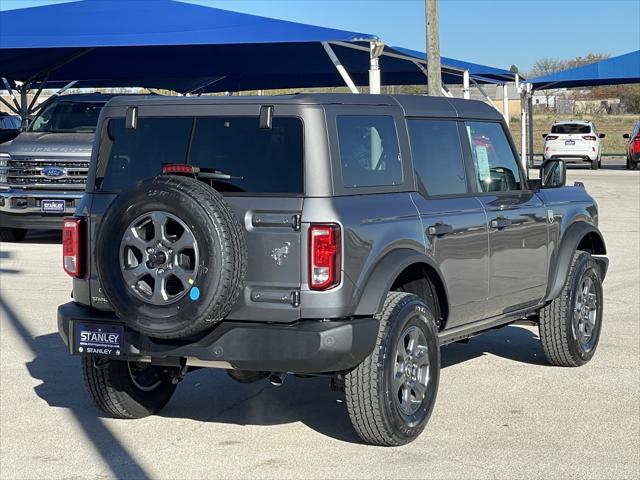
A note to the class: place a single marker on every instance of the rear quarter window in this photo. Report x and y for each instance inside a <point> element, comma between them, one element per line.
<point>262,161</point>
<point>369,151</point>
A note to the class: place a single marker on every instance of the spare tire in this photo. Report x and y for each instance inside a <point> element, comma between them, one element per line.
<point>171,256</point>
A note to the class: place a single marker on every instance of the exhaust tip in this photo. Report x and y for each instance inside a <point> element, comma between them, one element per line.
<point>277,379</point>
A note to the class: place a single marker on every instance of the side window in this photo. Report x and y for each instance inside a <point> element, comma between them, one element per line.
<point>437,156</point>
<point>369,152</point>
<point>496,167</point>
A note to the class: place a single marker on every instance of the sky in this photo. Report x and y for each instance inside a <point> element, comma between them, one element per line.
<point>499,33</point>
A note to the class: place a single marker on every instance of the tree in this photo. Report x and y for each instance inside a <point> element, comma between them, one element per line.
<point>547,66</point>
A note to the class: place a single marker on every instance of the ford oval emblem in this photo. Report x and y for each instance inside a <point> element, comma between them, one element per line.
<point>52,172</point>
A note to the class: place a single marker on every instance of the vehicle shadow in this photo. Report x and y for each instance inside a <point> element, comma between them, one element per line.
<point>210,395</point>
<point>62,387</point>
<point>513,342</point>
<point>48,237</point>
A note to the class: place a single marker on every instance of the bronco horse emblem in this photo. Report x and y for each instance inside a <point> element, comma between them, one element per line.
<point>279,254</point>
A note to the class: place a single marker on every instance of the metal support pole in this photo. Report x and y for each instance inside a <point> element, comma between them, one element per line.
<point>446,92</point>
<point>375,50</point>
<point>36,96</point>
<point>517,80</point>
<point>505,102</point>
<point>487,97</point>
<point>530,122</point>
<point>434,82</point>
<point>465,85</point>
<point>11,94</point>
<point>9,106</point>
<point>24,105</point>
<point>33,109</point>
<point>341,70</point>
<point>523,128</point>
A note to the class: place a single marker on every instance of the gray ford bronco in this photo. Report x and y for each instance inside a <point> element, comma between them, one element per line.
<point>346,236</point>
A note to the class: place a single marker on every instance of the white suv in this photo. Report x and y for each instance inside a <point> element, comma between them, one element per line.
<point>573,140</point>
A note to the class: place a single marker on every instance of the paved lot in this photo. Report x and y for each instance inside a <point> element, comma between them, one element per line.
<point>501,412</point>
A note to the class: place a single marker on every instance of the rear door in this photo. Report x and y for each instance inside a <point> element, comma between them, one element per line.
<point>517,220</point>
<point>453,220</point>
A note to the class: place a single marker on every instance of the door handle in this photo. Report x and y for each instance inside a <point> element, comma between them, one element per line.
<point>439,229</point>
<point>500,223</point>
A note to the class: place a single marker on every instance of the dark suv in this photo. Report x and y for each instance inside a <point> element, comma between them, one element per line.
<point>43,170</point>
<point>348,236</point>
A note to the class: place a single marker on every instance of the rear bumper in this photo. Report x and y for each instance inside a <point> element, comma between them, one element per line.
<point>31,221</point>
<point>22,208</point>
<point>308,346</point>
<point>585,157</point>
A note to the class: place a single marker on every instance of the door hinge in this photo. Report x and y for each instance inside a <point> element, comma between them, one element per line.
<point>296,222</point>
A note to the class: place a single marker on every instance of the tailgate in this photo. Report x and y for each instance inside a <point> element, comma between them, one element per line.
<point>272,287</point>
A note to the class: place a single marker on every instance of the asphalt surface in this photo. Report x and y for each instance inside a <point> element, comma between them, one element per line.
<point>502,412</point>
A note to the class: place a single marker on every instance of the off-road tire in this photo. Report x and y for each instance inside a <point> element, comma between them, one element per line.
<point>113,391</point>
<point>371,408</point>
<point>557,333</point>
<point>222,262</point>
<point>8,234</point>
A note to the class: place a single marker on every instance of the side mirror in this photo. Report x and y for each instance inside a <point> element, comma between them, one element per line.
<point>601,135</point>
<point>544,135</point>
<point>553,174</point>
<point>626,135</point>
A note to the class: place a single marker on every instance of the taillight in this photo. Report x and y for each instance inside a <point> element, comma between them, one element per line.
<point>589,137</point>
<point>324,256</point>
<point>71,246</point>
<point>551,137</point>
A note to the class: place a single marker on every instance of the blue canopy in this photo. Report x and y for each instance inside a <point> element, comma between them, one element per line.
<point>184,47</point>
<point>480,72</point>
<point>612,71</point>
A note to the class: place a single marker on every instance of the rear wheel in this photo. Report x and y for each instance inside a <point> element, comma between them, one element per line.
<point>391,394</point>
<point>570,325</point>
<point>12,234</point>
<point>595,164</point>
<point>123,389</point>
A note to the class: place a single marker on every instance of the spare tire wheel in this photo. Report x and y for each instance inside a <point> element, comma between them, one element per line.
<point>171,256</point>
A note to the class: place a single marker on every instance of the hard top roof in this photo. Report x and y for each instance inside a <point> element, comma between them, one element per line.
<point>413,105</point>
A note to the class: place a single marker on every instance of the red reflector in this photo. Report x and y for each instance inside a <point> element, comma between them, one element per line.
<point>324,256</point>
<point>179,168</point>
<point>71,255</point>
<point>589,137</point>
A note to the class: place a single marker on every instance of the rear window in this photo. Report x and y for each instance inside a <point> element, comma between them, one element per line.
<point>571,128</point>
<point>263,161</point>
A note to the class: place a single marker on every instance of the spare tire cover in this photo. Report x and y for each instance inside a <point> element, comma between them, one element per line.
<point>171,256</point>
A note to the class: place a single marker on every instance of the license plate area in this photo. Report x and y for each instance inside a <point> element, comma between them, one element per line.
<point>569,142</point>
<point>52,206</point>
<point>104,339</point>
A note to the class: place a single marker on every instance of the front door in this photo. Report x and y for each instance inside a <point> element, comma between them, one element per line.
<point>516,219</point>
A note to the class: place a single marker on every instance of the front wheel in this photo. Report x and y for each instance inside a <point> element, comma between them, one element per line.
<point>391,394</point>
<point>570,325</point>
<point>123,389</point>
